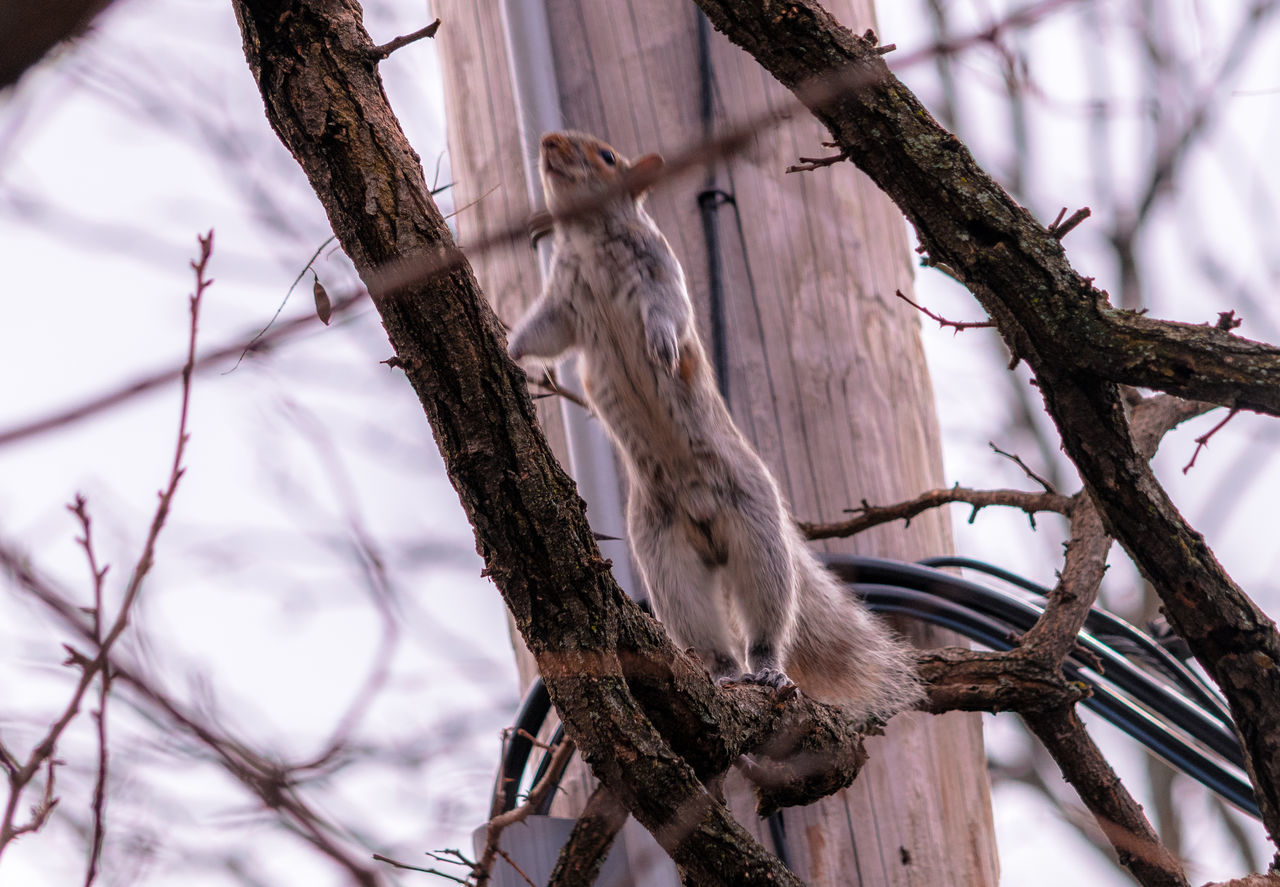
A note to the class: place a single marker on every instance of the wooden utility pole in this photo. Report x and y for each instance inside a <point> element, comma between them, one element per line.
<point>822,364</point>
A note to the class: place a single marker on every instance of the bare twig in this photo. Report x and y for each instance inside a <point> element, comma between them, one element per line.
<point>537,794</point>
<point>869,516</point>
<point>378,53</point>
<point>1203,440</point>
<point>1060,229</point>
<point>533,740</point>
<point>958,325</point>
<point>90,667</point>
<point>807,164</point>
<point>516,868</point>
<point>285,301</point>
<point>104,690</point>
<point>417,868</point>
<point>1048,487</point>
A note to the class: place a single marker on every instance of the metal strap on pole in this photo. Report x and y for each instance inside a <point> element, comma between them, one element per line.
<point>591,458</point>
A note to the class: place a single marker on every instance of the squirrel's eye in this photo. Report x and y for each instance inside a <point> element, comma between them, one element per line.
<point>608,156</point>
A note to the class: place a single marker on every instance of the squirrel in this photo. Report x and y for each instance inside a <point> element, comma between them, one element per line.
<point>726,569</point>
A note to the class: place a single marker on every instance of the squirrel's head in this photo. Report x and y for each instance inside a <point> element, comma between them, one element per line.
<point>577,167</point>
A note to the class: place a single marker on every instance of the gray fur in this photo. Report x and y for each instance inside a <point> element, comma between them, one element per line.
<point>726,570</point>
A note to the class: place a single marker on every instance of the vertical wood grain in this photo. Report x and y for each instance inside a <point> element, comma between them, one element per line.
<point>826,371</point>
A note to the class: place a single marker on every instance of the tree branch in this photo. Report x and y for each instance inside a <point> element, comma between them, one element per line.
<point>1012,263</point>
<point>20,776</point>
<point>1055,632</point>
<point>966,680</point>
<point>1118,815</point>
<point>584,853</point>
<point>638,709</point>
<point>483,869</point>
<point>869,516</point>
<point>378,53</point>
<point>1077,344</point>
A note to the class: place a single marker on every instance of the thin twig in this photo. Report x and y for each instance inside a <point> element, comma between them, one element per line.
<point>378,53</point>
<point>943,322</point>
<point>1060,229</point>
<point>90,667</point>
<point>80,510</point>
<point>533,740</point>
<point>537,794</point>
<point>417,868</point>
<point>808,164</point>
<point>1203,440</point>
<point>519,871</point>
<point>285,301</point>
<point>1048,487</point>
<point>869,516</point>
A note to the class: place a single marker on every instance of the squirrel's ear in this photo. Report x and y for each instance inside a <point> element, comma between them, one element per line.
<point>644,172</point>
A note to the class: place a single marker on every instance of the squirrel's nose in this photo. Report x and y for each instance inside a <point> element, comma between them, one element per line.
<point>553,140</point>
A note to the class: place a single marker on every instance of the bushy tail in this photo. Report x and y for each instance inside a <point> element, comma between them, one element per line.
<point>842,654</point>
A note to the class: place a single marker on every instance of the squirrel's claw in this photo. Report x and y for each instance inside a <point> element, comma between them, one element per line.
<point>664,348</point>
<point>766,677</point>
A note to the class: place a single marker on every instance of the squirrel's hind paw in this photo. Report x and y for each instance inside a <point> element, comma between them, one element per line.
<point>766,677</point>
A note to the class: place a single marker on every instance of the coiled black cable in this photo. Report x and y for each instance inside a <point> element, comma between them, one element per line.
<point>1186,724</point>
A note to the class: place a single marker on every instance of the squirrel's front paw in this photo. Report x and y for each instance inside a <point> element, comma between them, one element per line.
<point>515,343</point>
<point>664,348</point>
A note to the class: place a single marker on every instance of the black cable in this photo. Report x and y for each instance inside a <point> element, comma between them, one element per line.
<point>533,711</point>
<point>1109,627</point>
<point>557,737</point>
<point>709,201</point>
<point>1219,776</point>
<point>1204,725</point>
<point>983,567</point>
<point>993,618</point>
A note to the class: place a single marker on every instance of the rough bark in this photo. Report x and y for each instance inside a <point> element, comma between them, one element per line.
<point>1119,815</point>
<point>1077,344</point>
<point>824,374</point>
<point>647,718</point>
<point>589,842</point>
<point>1015,266</point>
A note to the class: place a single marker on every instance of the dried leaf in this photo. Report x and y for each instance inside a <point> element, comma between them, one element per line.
<point>324,310</point>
